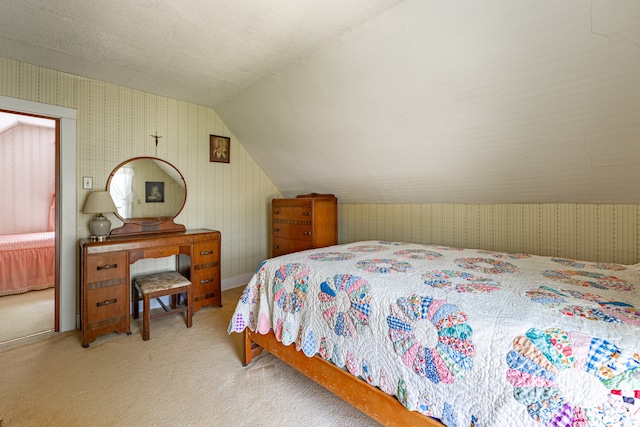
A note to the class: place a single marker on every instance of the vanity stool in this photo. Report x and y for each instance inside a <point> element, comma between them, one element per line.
<point>156,285</point>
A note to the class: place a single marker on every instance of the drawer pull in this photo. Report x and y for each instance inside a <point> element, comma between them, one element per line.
<point>276,229</point>
<point>306,233</point>
<point>107,267</point>
<point>202,282</point>
<point>206,252</point>
<point>276,212</point>
<point>276,246</point>
<point>107,302</point>
<point>306,213</point>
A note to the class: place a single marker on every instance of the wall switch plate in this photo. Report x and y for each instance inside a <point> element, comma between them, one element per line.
<point>87,183</point>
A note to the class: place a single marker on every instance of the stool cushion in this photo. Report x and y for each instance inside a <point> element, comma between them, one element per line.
<point>162,281</point>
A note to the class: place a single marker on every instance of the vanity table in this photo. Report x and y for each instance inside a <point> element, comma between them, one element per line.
<point>106,281</point>
<point>149,193</point>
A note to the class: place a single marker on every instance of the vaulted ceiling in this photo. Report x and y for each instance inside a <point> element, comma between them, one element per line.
<point>396,101</point>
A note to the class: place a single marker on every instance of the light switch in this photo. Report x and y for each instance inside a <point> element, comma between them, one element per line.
<point>87,183</point>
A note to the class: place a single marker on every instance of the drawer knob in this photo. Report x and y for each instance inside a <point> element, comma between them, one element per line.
<point>202,282</point>
<point>206,252</point>
<point>276,212</point>
<point>306,213</point>
<point>276,246</point>
<point>307,233</point>
<point>276,229</point>
<point>107,267</point>
<point>107,302</point>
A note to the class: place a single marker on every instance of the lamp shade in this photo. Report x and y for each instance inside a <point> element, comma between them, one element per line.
<point>99,202</point>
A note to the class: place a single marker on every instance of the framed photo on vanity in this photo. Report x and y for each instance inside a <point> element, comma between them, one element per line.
<point>219,148</point>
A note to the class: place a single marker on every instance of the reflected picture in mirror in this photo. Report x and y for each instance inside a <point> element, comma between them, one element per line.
<point>147,191</point>
<point>154,192</point>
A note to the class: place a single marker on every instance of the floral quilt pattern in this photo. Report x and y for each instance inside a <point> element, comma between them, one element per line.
<point>470,337</point>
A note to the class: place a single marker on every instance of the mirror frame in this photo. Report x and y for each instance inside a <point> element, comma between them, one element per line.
<point>147,225</point>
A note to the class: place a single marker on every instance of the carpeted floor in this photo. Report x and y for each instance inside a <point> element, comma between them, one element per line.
<point>181,377</point>
<point>26,314</point>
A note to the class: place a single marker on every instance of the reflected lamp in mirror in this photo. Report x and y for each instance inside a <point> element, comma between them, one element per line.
<point>99,202</point>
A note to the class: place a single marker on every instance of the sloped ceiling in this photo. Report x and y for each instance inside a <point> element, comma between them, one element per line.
<point>201,51</point>
<point>458,101</point>
<point>412,101</point>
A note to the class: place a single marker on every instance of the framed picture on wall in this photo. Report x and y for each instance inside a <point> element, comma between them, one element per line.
<point>219,148</point>
<point>154,192</point>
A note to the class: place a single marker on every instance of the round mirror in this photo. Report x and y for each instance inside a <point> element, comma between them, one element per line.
<point>147,192</point>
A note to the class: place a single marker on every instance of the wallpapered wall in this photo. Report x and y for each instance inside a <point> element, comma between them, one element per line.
<point>115,123</point>
<point>591,232</point>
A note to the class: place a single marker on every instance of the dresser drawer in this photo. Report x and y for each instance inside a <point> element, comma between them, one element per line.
<point>284,246</point>
<point>206,287</point>
<point>293,213</point>
<point>293,231</point>
<point>106,266</point>
<point>204,253</point>
<point>205,280</point>
<point>107,302</point>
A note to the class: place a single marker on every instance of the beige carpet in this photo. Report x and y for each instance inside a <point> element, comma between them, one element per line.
<point>26,314</point>
<point>181,377</point>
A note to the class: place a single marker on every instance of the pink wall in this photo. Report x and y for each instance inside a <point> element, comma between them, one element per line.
<point>27,178</point>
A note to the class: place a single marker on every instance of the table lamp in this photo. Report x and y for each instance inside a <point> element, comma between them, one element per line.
<point>99,202</point>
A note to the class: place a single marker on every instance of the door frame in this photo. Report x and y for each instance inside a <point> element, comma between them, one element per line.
<point>66,206</point>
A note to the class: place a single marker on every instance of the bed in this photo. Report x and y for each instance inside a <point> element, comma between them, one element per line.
<point>416,334</point>
<point>27,262</point>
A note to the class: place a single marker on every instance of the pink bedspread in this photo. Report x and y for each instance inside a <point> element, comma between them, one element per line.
<point>27,262</point>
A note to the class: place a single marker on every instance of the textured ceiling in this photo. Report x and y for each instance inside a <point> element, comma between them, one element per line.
<point>201,51</point>
<point>459,102</point>
<point>414,101</point>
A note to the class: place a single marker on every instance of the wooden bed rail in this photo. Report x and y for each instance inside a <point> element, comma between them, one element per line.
<point>371,400</point>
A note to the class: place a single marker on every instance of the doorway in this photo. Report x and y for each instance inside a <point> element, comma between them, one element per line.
<point>28,148</point>
<point>66,269</point>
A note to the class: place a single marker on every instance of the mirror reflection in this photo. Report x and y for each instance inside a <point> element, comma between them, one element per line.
<point>145,188</point>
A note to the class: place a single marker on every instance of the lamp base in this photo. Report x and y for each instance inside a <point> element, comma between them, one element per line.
<point>100,227</point>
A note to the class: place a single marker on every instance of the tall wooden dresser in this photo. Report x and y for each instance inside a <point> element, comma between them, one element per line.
<point>308,221</point>
<point>105,277</point>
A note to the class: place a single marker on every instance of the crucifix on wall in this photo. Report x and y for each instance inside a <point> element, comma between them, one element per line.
<point>156,136</point>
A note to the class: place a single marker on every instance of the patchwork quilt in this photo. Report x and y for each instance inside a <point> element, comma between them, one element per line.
<point>470,337</point>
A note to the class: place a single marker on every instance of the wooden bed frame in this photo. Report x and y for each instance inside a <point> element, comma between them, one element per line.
<point>371,400</point>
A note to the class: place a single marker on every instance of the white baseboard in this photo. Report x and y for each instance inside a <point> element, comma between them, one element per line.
<point>235,282</point>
